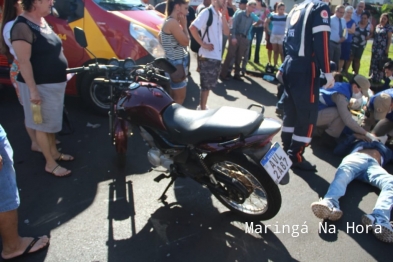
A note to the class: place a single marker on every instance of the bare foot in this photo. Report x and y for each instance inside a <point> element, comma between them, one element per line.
<point>63,157</point>
<point>58,171</point>
<point>26,245</point>
<point>35,147</point>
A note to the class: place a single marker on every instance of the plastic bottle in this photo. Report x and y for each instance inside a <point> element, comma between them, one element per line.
<point>268,78</point>
<point>37,117</point>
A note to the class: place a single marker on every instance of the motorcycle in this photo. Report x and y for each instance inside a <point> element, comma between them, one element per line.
<point>228,149</point>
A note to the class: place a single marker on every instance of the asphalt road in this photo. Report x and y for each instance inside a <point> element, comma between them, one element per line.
<point>104,213</point>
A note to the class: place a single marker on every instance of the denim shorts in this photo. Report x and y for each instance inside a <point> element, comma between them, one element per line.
<point>183,61</point>
<point>9,196</point>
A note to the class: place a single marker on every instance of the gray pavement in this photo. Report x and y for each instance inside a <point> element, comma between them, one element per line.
<point>106,213</point>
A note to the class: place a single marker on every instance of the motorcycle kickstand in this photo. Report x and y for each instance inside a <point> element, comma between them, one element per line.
<point>163,197</point>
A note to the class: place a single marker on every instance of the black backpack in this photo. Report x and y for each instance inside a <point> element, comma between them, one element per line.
<point>194,44</point>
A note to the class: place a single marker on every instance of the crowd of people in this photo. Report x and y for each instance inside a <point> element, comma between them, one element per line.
<point>311,45</point>
<point>311,108</point>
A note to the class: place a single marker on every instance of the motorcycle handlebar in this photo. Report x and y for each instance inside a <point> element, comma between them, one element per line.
<point>160,77</point>
<point>100,67</point>
<point>76,69</point>
<point>91,67</point>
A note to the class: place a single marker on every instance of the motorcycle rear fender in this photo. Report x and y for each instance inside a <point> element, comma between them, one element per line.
<point>256,153</point>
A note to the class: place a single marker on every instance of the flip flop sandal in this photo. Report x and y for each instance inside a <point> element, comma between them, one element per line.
<point>62,157</point>
<point>53,172</point>
<point>28,248</point>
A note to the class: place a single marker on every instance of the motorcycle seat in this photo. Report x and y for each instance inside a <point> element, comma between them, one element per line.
<point>187,126</point>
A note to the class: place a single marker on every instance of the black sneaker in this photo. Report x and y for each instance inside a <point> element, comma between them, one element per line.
<point>237,77</point>
<point>224,78</point>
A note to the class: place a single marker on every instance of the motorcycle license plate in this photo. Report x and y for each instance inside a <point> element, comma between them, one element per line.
<point>276,163</point>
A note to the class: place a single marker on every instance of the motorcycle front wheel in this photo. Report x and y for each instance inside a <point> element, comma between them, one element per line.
<point>264,200</point>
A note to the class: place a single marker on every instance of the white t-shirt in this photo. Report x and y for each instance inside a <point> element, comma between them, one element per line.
<point>7,36</point>
<point>215,33</point>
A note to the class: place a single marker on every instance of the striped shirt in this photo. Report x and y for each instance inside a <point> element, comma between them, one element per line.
<point>278,23</point>
<point>173,50</point>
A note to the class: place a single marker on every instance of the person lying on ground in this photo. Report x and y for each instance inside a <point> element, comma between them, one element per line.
<point>364,163</point>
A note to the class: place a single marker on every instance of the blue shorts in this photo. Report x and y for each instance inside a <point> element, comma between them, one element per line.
<point>9,195</point>
<point>183,61</point>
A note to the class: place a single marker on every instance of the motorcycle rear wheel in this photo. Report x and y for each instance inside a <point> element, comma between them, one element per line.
<point>264,202</point>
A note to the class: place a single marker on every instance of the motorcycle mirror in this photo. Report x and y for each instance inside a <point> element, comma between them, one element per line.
<point>165,65</point>
<point>80,37</point>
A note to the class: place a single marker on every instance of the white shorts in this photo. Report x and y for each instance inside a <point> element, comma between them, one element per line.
<point>277,39</point>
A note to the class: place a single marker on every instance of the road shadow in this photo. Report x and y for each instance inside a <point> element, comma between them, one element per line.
<point>183,231</point>
<point>48,202</point>
<point>248,88</point>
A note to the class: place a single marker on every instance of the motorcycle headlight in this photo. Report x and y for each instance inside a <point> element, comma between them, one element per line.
<point>147,40</point>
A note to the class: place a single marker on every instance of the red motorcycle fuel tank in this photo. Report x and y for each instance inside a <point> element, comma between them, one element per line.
<point>143,104</point>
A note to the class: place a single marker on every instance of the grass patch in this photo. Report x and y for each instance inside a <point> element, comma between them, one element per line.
<point>364,63</point>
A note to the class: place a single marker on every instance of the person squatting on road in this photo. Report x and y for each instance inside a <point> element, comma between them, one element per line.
<point>364,162</point>
<point>13,244</point>
<point>307,52</point>
<point>378,114</point>
<point>210,52</point>
<point>379,108</point>
<point>333,113</point>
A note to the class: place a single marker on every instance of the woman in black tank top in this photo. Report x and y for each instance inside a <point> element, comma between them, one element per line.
<point>42,78</point>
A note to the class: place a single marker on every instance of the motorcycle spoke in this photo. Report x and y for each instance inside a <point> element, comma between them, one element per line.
<point>256,203</point>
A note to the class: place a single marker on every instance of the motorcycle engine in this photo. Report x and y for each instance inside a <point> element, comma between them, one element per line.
<point>155,155</point>
<point>157,158</point>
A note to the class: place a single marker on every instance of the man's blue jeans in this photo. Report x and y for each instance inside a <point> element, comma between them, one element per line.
<point>365,168</point>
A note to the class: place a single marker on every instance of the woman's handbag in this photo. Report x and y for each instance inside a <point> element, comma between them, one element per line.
<point>179,75</point>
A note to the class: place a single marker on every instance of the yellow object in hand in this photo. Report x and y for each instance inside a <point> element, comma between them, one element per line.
<point>37,117</point>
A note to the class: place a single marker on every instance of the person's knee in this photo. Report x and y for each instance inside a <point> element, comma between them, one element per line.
<point>387,184</point>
